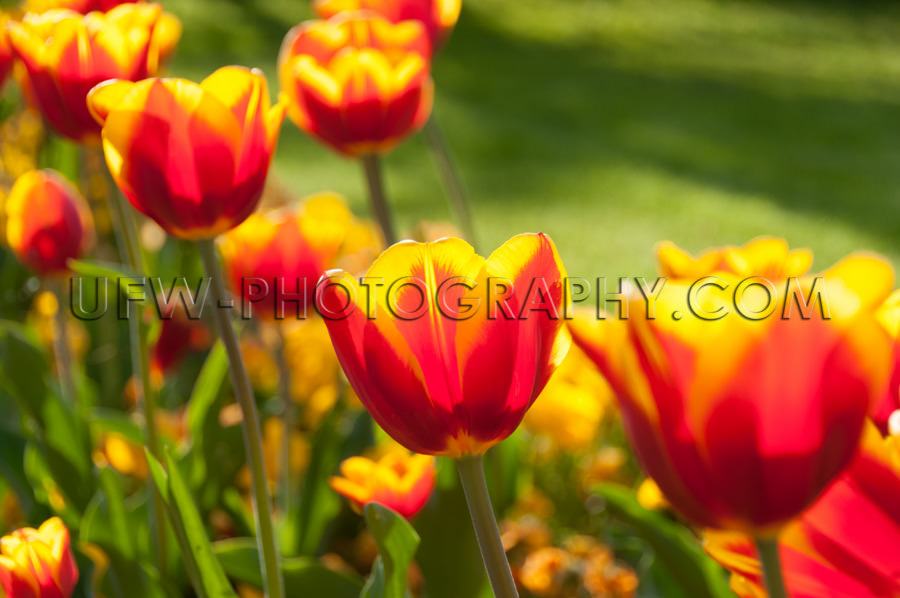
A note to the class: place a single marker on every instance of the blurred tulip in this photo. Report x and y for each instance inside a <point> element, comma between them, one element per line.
<point>122,454</point>
<point>356,82</point>
<point>273,451</point>
<point>439,17</point>
<point>439,369</point>
<point>192,157</point>
<point>79,6</point>
<point>47,222</point>
<point>889,317</point>
<point>766,256</point>
<point>38,563</point>
<point>743,421</point>
<point>844,546</point>
<point>288,250</point>
<point>572,406</point>
<point>179,335</point>
<point>398,480</point>
<point>66,54</point>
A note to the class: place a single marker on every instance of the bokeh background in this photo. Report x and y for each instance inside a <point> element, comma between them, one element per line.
<point>614,124</point>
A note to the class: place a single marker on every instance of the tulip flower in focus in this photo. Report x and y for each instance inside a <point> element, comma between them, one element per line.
<point>445,378</point>
<point>398,480</point>
<point>357,82</point>
<point>844,546</point>
<point>47,222</point>
<point>192,157</point>
<point>744,420</point>
<point>38,563</point>
<point>274,260</point>
<point>65,54</point>
<point>439,17</point>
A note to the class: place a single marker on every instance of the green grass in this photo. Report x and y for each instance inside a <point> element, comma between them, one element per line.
<point>612,125</point>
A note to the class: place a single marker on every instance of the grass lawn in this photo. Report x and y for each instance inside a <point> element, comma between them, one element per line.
<point>613,124</point>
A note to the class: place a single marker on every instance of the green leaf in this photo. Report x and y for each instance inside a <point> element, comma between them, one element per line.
<point>24,369</point>
<point>203,568</point>
<point>676,549</point>
<point>107,270</point>
<point>397,542</point>
<point>303,576</point>
<point>104,421</point>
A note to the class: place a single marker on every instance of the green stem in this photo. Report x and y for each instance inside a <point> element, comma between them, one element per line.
<point>262,504</point>
<point>133,256</point>
<point>454,188</point>
<point>287,419</point>
<point>61,344</point>
<point>471,473</point>
<point>773,575</point>
<point>377,197</point>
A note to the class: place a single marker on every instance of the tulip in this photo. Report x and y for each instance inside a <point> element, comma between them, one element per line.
<point>398,480</point>
<point>744,420</point>
<point>446,372</point>
<point>191,157</point>
<point>38,563</point>
<point>47,222</point>
<point>439,17</point>
<point>66,54</point>
<point>356,82</point>
<point>179,335</point>
<point>844,546</point>
<point>279,256</point>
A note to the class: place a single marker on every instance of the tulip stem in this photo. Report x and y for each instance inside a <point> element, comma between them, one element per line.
<point>471,473</point>
<point>377,197</point>
<point>454,188</point>
<point>61,345</point>
<point>240,380</point>
<point>771,566</point>
<point>287,419</point>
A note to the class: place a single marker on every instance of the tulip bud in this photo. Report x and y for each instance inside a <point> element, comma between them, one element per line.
<point>437,16</point>
<point>38,563</point>
<point>47,222</point>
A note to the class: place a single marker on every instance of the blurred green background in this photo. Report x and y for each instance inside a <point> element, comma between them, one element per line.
<point>614,124</point>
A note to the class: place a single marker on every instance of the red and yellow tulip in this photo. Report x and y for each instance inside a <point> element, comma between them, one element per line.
<point>439,17</point>
<point>38,563</point>
<point>398,480</point>
<point>442,362</point>
<point>191,157</point>
<point>357,82</point>
<point>288,250</point>
<point>47,222</point>
<point>844,546</point>
<point>66,54</point>
<point>744,421</point>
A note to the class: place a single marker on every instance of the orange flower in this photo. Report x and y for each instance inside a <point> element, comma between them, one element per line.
<point>47,222</point>
<point>192,157</point>
<point>399,481</point>
<point>744,420</point>
<point>357,82</point>
<point>38,563</point>
<point>439,17</point>
<point>845,546</point>
<point>272,258</point>
<point>443,370</point>
<point>66,54</point>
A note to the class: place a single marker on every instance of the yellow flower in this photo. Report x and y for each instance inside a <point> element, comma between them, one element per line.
<point>573,404</point>
<point>38,563</point>
<point>400,480</point>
